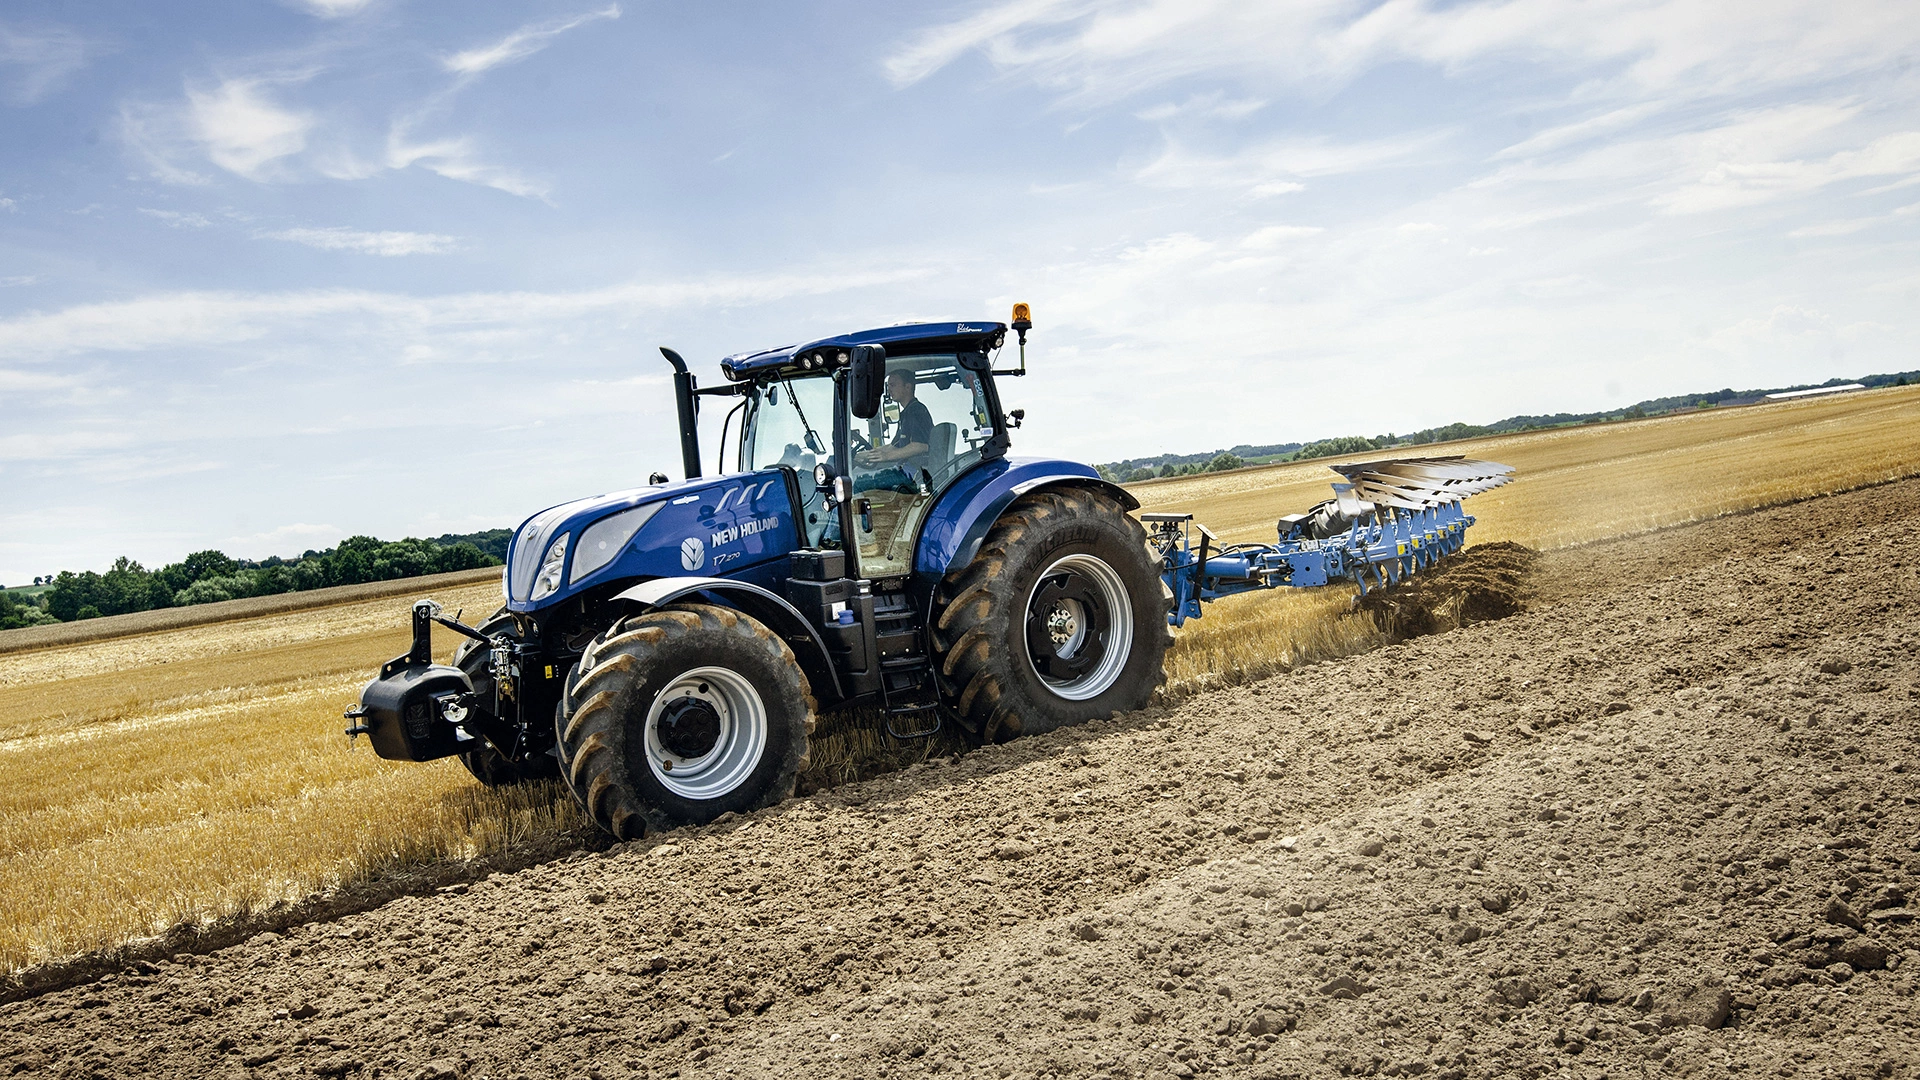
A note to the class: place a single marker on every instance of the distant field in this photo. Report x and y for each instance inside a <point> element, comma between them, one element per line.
<point>188,773</point>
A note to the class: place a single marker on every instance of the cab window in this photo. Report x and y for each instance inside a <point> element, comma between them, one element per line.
<point>933,424</point>
<point>790,423</point>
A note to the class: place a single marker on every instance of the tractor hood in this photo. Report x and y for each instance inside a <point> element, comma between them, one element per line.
<point>648,531</point>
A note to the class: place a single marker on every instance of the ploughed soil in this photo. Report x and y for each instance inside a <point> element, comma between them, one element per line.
<point>1665,820</point>
<point>1482,583</point>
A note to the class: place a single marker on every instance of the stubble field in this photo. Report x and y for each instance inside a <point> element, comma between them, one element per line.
<point>186,776</point>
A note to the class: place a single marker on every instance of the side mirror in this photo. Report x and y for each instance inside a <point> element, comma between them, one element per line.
<point>866,379</point>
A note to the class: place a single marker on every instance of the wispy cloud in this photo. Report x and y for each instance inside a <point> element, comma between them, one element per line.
<point>939,46</point>
<point>36,60</point>
<point>335,9</point>
<point>178,219</point>
<point>366,243</point>
<point>457,159</point>
<point>19,280</point>
<point>1090,51</point>
<point>242,130</point>
<point>1278,166</point>
<point>522,43</point>
<point>1833,228</point>
<point>286,540</point>
<point>208,318</point>
<point>1579,131</point>
<point>1273,236</point>
<point>1213,106</point>
<point>1744,180</point>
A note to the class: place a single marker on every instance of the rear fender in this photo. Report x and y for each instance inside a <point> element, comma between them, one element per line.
<point>769,607</point>
<point>959,522</point>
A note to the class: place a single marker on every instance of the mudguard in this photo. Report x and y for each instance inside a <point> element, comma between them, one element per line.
<point>959,521</point>
<point>763,604</point>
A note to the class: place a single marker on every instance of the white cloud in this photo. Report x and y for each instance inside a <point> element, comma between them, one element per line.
<point>52,445</point>
<point>1276,167</point>
<point>456,159</point>
<point>1557,288</point>
<point>1833,228</point>
<point>1214,106</point>
<point>1273,236</point>
<point>1739,173</point>
<point>285,541</point>
<point>942,45</point>
<point>14,381</point>
<point>178,219</point>
<point>522,43</point>
<point>37,60</point>
<point>241,130</point>
<point>22,279</point>
<point>1557,137</point>
<point>157,135</point>
<point>368,243</point>
<point>334,9</point>
<point>189,319</point>
<point>1090,51</point>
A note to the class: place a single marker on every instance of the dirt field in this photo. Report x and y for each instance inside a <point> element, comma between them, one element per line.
<point>1664,822</point>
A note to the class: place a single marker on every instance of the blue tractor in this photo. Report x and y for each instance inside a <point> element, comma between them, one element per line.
<point>664,650</point>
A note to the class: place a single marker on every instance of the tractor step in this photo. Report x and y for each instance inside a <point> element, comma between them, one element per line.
<point>907,689</point>
<point>922,732</point>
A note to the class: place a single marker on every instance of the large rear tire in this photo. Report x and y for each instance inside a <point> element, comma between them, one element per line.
<point>1060,618</point>
<point>676,716</point>
<point>487,764</point>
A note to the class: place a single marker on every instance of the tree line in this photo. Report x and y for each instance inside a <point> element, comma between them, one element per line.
<point>208,576</point>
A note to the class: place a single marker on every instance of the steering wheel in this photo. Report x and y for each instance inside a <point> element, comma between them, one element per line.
<point>859,441</point>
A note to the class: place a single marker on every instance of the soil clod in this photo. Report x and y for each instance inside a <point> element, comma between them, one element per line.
<point>1481,584</point>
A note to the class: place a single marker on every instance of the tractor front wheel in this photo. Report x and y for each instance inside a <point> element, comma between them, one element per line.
<point>1060,618</point>
<point>679,715</point>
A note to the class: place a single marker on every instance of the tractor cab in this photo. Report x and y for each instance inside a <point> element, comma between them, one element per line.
<point>875,427</point>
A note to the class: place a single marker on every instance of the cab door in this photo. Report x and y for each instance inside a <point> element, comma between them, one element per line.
<point>934,424</point>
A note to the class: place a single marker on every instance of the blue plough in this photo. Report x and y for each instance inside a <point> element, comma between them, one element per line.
<point>1389,521</point>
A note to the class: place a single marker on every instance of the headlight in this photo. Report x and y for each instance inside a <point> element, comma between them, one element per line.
<point>606,538</point>
<point>528,547</point>
<point>548,581</point>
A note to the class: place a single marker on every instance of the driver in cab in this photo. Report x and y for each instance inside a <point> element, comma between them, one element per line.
<point>912,435</point>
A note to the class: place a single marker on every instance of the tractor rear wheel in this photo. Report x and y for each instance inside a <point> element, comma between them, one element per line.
<point>679,715</point>
<point>487,764</point>
<point>1060,618</point>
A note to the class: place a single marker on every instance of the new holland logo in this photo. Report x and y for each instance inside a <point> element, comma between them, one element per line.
<point>693,554</point>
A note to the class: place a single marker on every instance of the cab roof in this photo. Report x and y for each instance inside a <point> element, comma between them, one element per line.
<point>971,336</point>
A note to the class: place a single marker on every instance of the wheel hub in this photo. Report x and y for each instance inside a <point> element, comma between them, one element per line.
<point>689,728</point>
<point>1079,627</point>
<point>1065,632</point>
<point>1062,625</point>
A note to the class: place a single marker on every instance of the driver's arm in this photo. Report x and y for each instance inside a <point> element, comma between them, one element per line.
<point>899,453</point>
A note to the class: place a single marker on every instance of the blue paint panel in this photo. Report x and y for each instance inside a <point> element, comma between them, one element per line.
<point>967,509</point>
<point>729,526</point>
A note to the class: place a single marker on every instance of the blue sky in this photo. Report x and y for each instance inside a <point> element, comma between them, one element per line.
<point>272,274</point>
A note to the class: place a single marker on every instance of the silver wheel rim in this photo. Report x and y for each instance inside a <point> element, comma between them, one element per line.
<point>1071,624</point>
<point>736,751</point>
